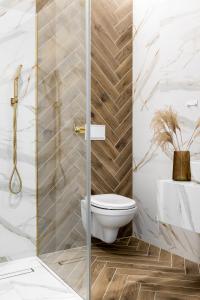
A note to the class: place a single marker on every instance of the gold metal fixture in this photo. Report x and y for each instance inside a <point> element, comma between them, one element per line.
<point>14,104</point>
<point>79,129</point>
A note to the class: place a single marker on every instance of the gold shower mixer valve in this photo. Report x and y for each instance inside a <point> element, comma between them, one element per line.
<point>14,101</point>
<point>79,129</point>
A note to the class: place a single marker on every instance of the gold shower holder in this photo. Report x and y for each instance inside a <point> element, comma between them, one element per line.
<point>57,104</point>
<point>14,103</point>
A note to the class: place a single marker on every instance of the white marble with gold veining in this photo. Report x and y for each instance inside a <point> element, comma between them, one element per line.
<point>17,46</point>
<point>178,204</point>
<point>166,73</point>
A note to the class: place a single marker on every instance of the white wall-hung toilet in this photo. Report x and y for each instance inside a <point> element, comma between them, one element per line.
<point>109,212</point>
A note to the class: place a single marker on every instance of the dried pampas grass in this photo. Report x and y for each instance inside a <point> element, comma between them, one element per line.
<point>195,134</point>
<point>168,133</point>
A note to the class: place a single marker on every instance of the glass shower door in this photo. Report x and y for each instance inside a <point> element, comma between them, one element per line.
<point>63,148</point>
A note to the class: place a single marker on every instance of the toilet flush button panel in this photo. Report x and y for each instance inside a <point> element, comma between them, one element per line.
<point>98,132</point>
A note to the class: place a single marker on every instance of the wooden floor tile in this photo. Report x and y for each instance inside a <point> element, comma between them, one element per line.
<point>146,295</point>
<point>101,283</point>
<point>96,268</point>
<point>177,262</point>
<point>139,271</point>
<point>154,251</point>
<point>133,242</point>
<point>115,288</point>
<point>130,291</point>
<point>170,296</point>
<point>143,246</point>
<point>191,268</point>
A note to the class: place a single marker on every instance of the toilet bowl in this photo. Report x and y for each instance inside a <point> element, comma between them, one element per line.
<point>109,212</point>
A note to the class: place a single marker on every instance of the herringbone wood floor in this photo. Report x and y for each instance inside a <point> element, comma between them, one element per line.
<point>134,270</point>
<point>112,95</point>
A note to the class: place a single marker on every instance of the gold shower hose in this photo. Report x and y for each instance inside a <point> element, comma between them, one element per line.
<point>14,104</point>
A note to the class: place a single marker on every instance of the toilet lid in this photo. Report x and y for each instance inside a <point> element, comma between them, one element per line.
<point>112,201</point>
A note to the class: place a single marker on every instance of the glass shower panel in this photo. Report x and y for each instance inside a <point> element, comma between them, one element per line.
<point>63,150</point>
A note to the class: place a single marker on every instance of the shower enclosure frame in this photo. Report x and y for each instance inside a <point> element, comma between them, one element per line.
<point>88,152</point>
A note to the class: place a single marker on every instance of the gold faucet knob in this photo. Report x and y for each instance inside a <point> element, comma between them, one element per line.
<point>79,129</point>
<point>14,101</point>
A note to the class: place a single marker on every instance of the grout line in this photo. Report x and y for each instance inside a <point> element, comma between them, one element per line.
<point>109,284</point>
<point>159,254</point>
<point>185,267</point>
<point>123,19</point>
<point>124,133</point>
<point>123,165</point>
<point>123,106</point>
<point>137,246</point>
<point>128,42</point>
<point>129,239</point>
<point>128,145</point>
<point>102,74</point>
<point>177,293</point>
<point>94,261</point>
<point>99,274</point>
<point>136,264</point>
<point>122,289</point>
<point>161,277</point>
<point>171,260</point>
<point>106,106</point>
<point>120,298</point>
<point>139,290</point>
<point>148,249</point>
<point>124,76</point>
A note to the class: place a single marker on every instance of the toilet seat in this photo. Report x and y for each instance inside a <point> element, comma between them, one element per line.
<point>112,212</point>
<point>112,202</point>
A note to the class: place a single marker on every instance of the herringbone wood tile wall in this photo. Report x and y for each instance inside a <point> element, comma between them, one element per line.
<point>61,159</point>
<point>61,104</point>
<point>112,95</point>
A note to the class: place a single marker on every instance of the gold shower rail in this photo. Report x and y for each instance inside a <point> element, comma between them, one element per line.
<point>14,104</point>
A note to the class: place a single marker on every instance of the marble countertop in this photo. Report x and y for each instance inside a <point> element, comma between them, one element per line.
<point>178,203</point>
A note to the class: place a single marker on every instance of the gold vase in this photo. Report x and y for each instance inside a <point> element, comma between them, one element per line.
<point>181,166</point>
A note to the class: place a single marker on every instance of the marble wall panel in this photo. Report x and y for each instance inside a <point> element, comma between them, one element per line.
<point>166,73</point>
<point>17,46</point>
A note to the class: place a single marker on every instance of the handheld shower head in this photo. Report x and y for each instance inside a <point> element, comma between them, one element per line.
<point>14,103</point>
<point>14,100</point>
<point>18,72</point>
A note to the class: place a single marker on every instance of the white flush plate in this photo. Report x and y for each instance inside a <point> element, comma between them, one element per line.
<point>98,132</point>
